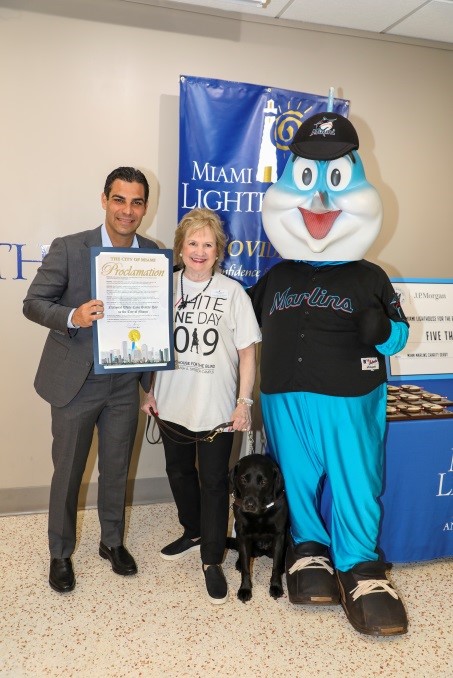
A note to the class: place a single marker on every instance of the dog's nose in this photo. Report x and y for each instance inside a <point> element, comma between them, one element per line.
<point>249,504</point>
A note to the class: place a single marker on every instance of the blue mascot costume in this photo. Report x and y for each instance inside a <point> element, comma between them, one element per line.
<point>328,318</point>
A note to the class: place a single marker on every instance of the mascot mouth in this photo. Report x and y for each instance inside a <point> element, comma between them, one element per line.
<point>318,223</point>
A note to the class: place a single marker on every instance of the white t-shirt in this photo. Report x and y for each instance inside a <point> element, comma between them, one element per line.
<point>200,393</point>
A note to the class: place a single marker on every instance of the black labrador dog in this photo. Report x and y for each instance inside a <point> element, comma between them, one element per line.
<point>261,519</point>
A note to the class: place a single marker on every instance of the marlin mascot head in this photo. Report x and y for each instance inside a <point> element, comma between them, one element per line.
<point>322,208</point>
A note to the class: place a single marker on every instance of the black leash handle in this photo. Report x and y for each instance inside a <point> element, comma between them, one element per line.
<point>164,428</point>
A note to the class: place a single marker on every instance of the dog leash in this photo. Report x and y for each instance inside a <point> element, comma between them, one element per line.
<point>250,443</point>
<point>164,428</point>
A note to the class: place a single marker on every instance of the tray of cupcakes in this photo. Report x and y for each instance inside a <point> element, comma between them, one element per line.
<point>407,402</point>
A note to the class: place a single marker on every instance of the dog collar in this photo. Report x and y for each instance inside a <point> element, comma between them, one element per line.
<point>276,502</point>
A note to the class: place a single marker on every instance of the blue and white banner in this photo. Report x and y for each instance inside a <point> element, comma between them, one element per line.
<point>234,142</point>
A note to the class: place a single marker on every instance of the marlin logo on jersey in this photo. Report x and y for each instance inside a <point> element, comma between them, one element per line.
<point>316,298</point>
<point>396,303</point>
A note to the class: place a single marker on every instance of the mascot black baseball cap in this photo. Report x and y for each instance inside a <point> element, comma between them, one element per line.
<point>325,136</point>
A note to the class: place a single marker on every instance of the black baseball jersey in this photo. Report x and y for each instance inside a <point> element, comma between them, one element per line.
<point>308,316</point>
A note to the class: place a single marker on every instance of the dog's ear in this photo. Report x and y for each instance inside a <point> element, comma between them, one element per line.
<point>232,477</point>
<point>279,484</point>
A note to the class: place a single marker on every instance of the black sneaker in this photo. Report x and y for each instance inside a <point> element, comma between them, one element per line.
<point>310,575</point>
<point>371,603</point>
<point>180,548</point>
<point>216,584</point>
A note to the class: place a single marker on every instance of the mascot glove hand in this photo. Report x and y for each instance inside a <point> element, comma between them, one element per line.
<point>373,326</point>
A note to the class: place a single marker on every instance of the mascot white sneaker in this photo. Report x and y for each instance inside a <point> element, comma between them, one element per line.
<point>328,318</point>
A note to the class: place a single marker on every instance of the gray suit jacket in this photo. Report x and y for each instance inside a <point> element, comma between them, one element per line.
<point>63,282</point>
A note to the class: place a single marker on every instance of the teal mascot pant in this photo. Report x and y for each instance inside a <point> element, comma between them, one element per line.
<point>315,436</point>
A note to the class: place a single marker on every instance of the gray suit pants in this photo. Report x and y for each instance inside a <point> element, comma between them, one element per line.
<point>110,402</point>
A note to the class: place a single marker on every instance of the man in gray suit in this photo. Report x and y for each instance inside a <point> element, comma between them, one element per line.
<point>60,298</point>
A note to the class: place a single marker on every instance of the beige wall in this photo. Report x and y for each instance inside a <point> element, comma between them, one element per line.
<point>97,88</point>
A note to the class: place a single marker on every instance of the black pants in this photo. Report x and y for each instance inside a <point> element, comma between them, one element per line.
<point>201,496</point>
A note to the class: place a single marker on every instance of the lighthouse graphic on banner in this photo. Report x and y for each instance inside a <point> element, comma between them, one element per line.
<point>267,161</point>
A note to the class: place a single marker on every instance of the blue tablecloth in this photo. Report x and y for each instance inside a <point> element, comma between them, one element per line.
<point>417,521</point>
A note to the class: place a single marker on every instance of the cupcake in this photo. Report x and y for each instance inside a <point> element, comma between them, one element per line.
<point>392,389</point>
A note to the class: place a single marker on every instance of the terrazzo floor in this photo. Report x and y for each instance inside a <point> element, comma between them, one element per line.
<point>161,624</point>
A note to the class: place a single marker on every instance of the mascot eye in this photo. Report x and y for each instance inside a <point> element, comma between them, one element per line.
<point>306,176</point>
<point>305,173</point>
<point>339,173</point>
<point>335,177</point>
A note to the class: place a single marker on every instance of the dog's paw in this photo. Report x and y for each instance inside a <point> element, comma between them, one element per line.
<point>244,594</point>
<point>276,590</point>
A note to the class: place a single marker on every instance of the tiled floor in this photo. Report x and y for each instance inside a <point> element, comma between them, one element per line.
<point>160,623</point>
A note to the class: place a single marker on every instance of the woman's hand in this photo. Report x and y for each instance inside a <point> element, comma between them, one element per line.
<point>241,418</point>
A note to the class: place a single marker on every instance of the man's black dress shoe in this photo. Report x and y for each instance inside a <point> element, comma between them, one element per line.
<point>121,559</point>
<point>61,575</point>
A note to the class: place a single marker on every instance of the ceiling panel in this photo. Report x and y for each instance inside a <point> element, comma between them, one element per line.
<point>432,22</point>
<point>271,9</point>
<point>365,15</point>
<point>417,19</point>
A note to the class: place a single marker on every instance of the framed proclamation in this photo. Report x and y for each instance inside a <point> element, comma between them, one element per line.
<point>136,287</point>
<point>428,306</point>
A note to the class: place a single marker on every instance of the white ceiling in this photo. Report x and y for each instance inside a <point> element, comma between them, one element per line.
<point>429,20</point>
